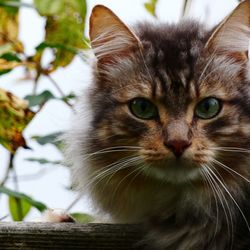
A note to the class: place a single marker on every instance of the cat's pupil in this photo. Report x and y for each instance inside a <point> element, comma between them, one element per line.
<point>207,105</point>
<point>208,108</point>
<point>144,106</point>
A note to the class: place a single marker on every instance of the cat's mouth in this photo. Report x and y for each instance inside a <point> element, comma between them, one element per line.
<point>175,171</point>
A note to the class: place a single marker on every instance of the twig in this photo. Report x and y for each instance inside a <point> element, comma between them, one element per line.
<point>4,217</point>
<point>12,169</point>
<point>15,179</point>
<point>9,168</point>
<point>6,176</point>
<point>32,177</point>
<point>17,200</point>
<point>59,90</point>
<point>36,83</point>
<point>186,7</point>
<point>74,202</point>
<point>56,85</point>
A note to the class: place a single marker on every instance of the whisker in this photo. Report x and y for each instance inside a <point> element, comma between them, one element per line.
<point>228,207</point>
<point>145,65</point>
<point>230,170</point>
<point>105,171</point>
<point>133,160</point>
<point>213,55</point>
<point>112,169</point>
<point>125,177</point>
<point>231,149</point>
<point>113,149</point>
<point>140,170</point>
<point>222,199</point>
<point>230,195</point>
<point>209,184</point>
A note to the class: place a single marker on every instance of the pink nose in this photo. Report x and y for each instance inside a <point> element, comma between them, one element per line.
<point>178,147</point>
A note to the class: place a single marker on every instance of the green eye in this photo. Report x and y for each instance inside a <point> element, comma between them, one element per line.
<point>143,108</point>
<point>208,108</point>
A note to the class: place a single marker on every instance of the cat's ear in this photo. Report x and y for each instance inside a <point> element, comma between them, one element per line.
<point>232,36</point>
<point>109,36</point>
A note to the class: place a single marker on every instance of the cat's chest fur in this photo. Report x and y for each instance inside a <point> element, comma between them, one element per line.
<point>176,218</point>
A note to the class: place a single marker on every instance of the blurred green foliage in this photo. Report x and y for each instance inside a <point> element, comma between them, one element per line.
<point>64,37</point>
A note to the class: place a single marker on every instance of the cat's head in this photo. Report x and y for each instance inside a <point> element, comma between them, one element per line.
<point>170,102</point>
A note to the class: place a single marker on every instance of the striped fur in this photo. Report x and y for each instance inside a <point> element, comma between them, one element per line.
<point>200,201</point>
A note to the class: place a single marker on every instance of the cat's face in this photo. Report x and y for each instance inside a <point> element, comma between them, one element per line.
<point>171,109</point>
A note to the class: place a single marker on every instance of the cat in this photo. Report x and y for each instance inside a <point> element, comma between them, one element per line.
<point>162,136</point>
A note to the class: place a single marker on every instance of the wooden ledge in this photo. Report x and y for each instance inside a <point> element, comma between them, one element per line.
<point>19,235</point>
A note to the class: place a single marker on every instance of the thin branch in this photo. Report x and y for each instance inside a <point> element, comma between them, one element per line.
<point>32,177</point>
<point>74,202</point>
<point>59,90</point>
<point>4,217</point>
<point>12,169</point>
<point>9,168</point>
<point>186,7</point>
<point>15,179</point>
<point>17,200</point>
<point>56,85</point>
<point>6,176</point>
<point>36,83</point>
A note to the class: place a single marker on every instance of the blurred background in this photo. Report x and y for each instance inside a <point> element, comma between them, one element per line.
<point>43,60</point>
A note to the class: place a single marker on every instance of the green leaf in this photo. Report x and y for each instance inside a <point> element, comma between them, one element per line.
<point>38,205</point>
<point>43,161</point>
<point>13,5</point>
<point>42,98</point>
<point>6,48</point>
<point>35,100</point>
<point>7,4</point>
<point>48,7</point>
<point>151,7</point>
<point>9,29</point>
<point>48,139</point>
<point>55,46</point>
<point>69,97</point>
<point>15,116</point>
<point>53,139</point>
<point>65,23</point>
<point>8,60</point>
<point>82,218</point>
<point>19,208</point>
<point>10,57</point>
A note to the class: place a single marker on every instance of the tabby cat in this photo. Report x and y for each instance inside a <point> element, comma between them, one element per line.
<point>162,136</point>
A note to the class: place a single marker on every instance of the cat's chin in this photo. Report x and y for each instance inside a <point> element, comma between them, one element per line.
<point>174,172</point>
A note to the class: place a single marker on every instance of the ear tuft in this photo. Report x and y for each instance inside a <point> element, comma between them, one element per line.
<point>109,35</point>
<point>232,36</point>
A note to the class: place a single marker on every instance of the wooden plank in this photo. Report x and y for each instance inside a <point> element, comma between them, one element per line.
<point>19,235</point>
